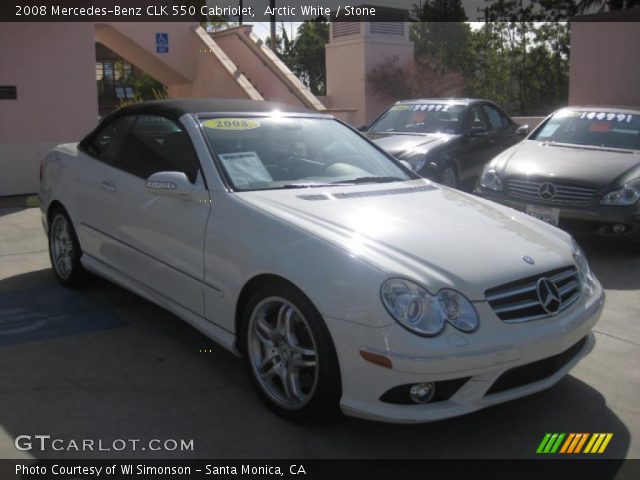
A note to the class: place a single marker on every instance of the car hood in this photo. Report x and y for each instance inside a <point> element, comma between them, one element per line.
<point>435,235</point>
<point>596,167</point>
<point>400,145</point>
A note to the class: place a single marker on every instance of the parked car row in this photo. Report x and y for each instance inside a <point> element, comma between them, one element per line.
<point>343,278</point>
<point>579,169</point>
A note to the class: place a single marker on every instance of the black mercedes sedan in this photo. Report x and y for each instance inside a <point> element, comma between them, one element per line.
<point>579,170</point>
<point>448,140</point>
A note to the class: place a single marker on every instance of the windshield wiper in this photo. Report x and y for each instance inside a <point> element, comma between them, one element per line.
<point>360,180</point>
<point>316,184</point>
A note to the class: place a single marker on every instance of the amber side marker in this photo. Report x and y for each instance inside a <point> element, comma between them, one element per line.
<point>376,359</point>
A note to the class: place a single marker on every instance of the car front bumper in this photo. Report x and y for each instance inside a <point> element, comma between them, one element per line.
<point>486,368</point>
<point>591,220</point>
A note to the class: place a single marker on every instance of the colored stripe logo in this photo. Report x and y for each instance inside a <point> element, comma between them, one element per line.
<point>573,443</point>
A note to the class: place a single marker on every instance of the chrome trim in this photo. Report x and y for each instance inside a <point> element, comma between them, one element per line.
<point>563,194</point>
<point>522,295</point>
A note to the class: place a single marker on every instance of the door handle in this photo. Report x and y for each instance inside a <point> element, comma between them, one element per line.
<point>107,186</point>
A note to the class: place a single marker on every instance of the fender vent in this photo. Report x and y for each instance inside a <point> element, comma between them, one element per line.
<point>367,193</point>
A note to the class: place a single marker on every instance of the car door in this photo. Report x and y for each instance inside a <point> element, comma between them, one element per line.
<point>477,143</point>
<point>92,198</point>
<point>155,240</point>
<point>502,129</point>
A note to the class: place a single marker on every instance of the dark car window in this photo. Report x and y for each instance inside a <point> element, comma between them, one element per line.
<point>420,118</point>
<point>506,121</point>
<point>157,144</point>
<point>495,119</point>
<point>602,128</point>
<point>476,118</point>
<point>107,143</point>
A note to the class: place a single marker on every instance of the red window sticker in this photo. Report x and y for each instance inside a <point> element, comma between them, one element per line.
<point>600,127</point>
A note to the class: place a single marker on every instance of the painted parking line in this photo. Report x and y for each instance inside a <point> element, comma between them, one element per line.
<point>46,312</point>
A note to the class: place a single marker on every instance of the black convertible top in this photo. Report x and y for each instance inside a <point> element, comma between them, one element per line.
<point>177,108</point>
<point>174,109</point>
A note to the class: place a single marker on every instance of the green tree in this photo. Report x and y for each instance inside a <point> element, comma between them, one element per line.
<point>305,55</point>
<point>438,30</point>
<point>309,57</point>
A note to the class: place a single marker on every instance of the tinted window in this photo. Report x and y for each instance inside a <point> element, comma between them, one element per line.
<point>495,119</point>
<point>476,118</point>
<point>601,128</point>
<point>420,118</point>
<point>107,144</point>
<point>280,152</point>
<point>157,144</point>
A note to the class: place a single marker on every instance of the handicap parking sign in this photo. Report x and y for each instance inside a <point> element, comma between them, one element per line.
<point>162,42</point>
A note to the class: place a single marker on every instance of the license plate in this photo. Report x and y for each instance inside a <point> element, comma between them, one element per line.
<point>546,214</point>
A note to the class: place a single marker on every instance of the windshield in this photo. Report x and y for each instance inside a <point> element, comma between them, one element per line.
<point>271,152</point>
<point>420,118</point>
<point>594,128</point>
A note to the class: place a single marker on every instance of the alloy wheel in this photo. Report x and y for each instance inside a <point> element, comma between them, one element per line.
<point>283,353</point>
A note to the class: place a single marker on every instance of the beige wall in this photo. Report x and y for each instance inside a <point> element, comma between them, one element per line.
<point>605,63</point>
<point>57,95</point>
<point>195,66</point>
<point>271,77</point>
<point>349,60</point>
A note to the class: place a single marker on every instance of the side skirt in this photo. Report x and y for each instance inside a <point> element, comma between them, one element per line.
<point>222,337</point>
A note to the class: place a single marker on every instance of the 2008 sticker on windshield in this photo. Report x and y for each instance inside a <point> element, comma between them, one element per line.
<point>231,124</point>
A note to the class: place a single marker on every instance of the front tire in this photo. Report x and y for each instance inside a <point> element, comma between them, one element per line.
<point>289,354</point>
<point>64,249</point>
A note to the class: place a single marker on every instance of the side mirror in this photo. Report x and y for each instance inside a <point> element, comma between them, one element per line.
<point>362,128</point>
<point>522,130</point>
<point>477,132</point>
<point>169,184</point>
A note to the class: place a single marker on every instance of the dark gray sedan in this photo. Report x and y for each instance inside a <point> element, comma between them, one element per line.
<point>448,140</point>
<point>579,170</point>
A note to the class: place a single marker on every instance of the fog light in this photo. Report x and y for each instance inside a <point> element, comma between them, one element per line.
<point>422,392</point>
<point>619,228</point>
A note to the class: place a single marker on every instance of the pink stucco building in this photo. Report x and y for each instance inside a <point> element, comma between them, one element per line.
<point>52,67</point>
<point>604,67</point>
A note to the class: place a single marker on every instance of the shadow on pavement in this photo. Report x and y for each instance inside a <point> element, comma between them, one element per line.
<point>615,263</point>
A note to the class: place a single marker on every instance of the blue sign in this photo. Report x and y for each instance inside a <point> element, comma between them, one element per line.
<point>162,42</point>
<point>46,312</point>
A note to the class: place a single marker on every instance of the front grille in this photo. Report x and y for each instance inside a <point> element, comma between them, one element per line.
<point>536,371</point>
<point>559,194</point>
<point>518,301</point>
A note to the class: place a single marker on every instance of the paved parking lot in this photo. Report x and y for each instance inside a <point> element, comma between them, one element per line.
<point>101,363</point>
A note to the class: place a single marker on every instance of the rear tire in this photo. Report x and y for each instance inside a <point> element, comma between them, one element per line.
<point>64,249</point>
<point>289,353</point>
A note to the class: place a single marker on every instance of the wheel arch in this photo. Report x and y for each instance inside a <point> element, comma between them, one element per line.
<point>53,206</point>
<point>249,288</point>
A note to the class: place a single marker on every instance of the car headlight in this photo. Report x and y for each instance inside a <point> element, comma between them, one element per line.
<point>587,278</point>
<point>627,195</point>
<point>490,179</point>
<point>417,162</point>
<point>424,314</point>
<point>416,158</point>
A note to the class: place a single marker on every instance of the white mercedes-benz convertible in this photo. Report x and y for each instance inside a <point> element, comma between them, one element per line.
<point>342,278</point>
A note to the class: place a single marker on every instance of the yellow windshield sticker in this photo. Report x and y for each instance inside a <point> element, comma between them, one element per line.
<point>395,108</point>
<point>231,124</point>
